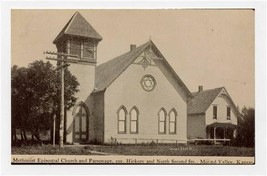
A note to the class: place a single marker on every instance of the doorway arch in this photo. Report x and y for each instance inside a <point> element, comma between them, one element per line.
<point>80,123</point>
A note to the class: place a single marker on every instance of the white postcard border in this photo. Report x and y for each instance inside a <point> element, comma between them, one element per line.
<point>260,158</point>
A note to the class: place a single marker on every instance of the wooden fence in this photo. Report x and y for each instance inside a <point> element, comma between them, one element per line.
<point>147,141</point>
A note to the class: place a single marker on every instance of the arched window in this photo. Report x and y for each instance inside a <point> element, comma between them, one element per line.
<point>172,121</point>
<point>122,119</point>
<point>162,121</point>
<point>134,113</point>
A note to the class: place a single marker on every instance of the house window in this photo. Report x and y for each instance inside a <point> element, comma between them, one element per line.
<point>228,113</point>
<point>134,120</point>
<point>172,121</point>
<point>162,121</point>
<point>82,49</point>
<point>214,112</point>
<point>122,120</point>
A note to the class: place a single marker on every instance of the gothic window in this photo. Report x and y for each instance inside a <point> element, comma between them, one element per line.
<point>172,121</point>
<point>134,113</point>
<point>122,119</point>
<point>162,121</point>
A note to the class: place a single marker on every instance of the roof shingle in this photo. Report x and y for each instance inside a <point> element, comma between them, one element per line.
<point>78,26</point>
<point>107,72</point>
<point>202,100</point>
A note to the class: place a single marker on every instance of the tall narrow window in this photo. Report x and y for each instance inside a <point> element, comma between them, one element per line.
<point>172,121</point>
<point>228,112</point>
<point>134,120</point>
<point>122,120</point>
<point>162,121</point>
<point>214,112</point>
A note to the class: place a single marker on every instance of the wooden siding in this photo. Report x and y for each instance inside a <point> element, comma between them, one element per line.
<point>98,123</point>
<point>196,127</point>
<point>85,75</point>
<point>221,102</point>
<point>126,90</point>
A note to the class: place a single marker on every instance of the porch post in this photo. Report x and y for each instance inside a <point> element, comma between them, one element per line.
<point>214,134</point>
<point>208,132</point>
<point>224,133</point>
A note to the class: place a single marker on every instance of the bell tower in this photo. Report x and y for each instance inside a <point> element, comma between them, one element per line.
<point>79,38</point>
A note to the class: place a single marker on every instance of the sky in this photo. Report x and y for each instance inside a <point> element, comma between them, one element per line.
<point>212,48</point>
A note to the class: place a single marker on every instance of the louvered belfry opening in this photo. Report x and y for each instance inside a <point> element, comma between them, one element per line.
<point>78,38</point>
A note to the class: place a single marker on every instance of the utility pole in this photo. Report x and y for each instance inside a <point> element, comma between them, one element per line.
<point>63,58</point>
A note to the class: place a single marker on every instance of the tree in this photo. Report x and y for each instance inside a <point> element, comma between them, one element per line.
<point>246,129</point>
<point>248,125</point>
<point>18,99</point>
<point>36,96</point>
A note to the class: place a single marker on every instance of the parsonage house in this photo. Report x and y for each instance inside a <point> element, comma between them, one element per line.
<point>135,97</point>
<point>212,114</point>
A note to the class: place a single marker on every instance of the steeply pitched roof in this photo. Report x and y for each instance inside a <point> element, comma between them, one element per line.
<point>202,100</point>
<point>78,26</point>
<point>107,72</point>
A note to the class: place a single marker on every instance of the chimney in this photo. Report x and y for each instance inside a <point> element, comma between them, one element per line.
<point>200,88</point>
<point>132,47</point>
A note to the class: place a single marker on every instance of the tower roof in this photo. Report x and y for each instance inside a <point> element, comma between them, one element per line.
<point>78,26</point>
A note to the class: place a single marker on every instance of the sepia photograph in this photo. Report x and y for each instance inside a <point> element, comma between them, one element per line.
<point>133,86</point>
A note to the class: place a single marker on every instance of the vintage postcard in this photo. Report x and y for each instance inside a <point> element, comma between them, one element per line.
<point>137,86</point>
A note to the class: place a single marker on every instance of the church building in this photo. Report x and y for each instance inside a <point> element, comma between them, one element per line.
<point>134,98</point>
<point>137,97</point>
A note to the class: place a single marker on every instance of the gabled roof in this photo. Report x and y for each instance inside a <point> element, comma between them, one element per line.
<point>107,72</point>
<point>202,100</point>
<point>78,26</point>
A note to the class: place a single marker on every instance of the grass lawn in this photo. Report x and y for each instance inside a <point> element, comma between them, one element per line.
<point>163,150</point>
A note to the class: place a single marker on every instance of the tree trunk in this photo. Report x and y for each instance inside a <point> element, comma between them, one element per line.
<point>21,136</point>
<point>37,136</point>
<point>51,135</point>
<point>14,135</point>
<point>24,134</point>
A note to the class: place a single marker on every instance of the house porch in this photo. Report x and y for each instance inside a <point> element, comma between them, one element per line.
<point>221,132</point>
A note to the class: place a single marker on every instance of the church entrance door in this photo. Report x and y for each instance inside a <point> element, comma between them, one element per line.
<point>80,125</point>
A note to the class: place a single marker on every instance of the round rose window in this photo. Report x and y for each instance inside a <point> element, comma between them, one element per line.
<point>148,83</point>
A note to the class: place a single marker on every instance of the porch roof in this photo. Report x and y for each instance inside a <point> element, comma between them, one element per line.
<point>222,125</point>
